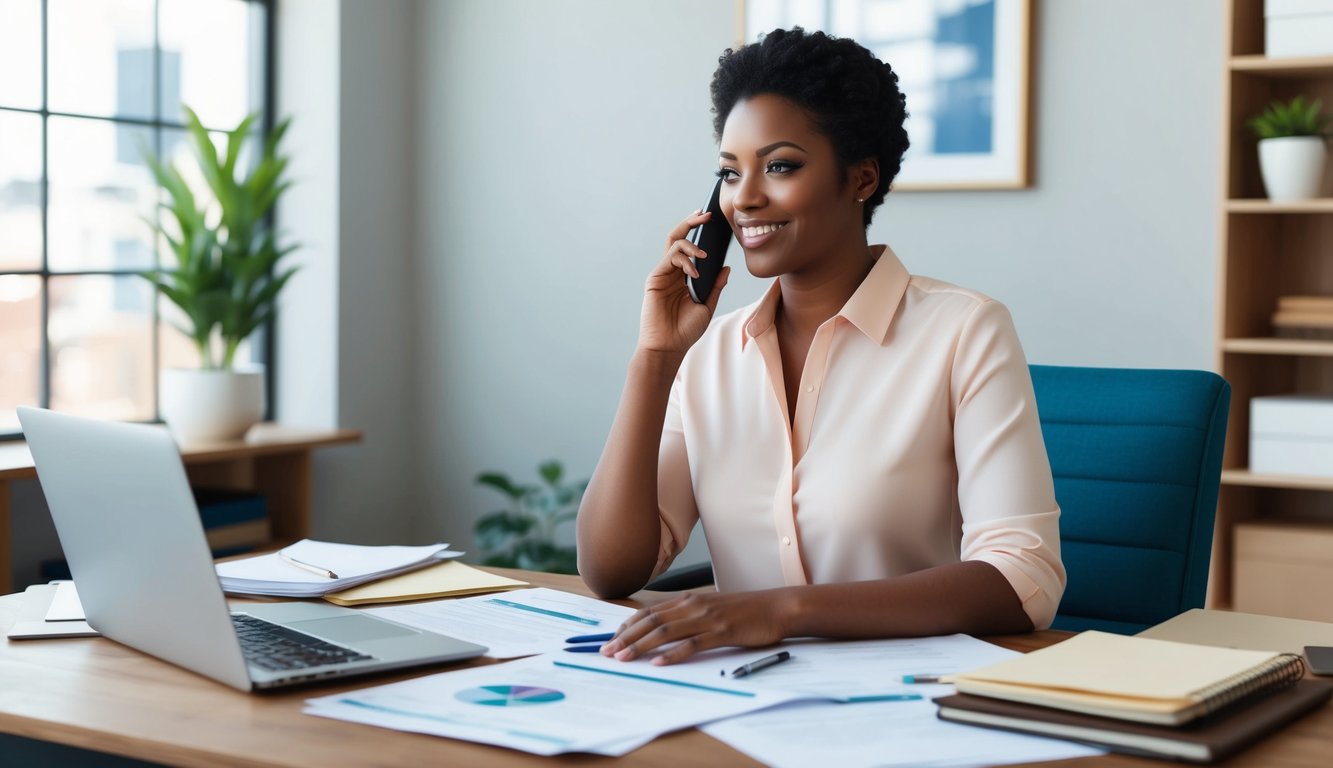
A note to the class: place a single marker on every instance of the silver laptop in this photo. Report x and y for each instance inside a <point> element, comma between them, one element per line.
<point>134,541</point>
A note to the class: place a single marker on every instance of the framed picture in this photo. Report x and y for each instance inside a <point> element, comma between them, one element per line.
<point>962,65</point>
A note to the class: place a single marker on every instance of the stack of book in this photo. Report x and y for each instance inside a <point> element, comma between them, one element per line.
<point>1140,696</point>
<point>234,521</point>
<point>1303,314</point>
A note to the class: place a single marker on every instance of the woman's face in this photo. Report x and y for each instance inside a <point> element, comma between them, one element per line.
<point>783,190</point>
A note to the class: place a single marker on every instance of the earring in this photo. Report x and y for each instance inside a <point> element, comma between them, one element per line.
<point>860,199</point>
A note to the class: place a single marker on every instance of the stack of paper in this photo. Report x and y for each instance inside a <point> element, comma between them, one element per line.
<point>315,568</point>
<point>451,579</point>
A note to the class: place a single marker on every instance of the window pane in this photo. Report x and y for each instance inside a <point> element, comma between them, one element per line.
<point>101,346</point>
<point>20,345</point>
<point>100,191</point>
<point>20,190</point>
<point>101,60</point>
<point>21,54</point>
<point>215,49</point>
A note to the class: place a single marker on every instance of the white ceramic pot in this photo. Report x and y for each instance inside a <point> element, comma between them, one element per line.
<point>1292,166</point>
<point>202,406</point>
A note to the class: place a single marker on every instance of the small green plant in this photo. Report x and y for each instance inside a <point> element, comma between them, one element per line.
<point>1294,118</point>
<point>523,535</point>
<point>225,278</point>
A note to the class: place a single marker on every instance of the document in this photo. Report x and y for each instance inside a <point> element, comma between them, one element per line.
<point>884,733</point>
<point>543,706</point>
<point>846,671</point>
<point>311,568</point>
<point>523,622</point>
<point>450,579</point>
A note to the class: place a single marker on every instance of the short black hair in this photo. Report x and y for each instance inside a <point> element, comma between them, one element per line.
<point>852,96</point>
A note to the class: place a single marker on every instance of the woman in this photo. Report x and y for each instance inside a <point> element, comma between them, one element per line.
<point>861,445</point>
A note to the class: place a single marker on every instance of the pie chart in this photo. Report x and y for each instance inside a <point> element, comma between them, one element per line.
<point>509,695</point>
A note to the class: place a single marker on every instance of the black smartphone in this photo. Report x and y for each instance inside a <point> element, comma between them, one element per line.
<point>1320,658</point>
<point>713,236</point>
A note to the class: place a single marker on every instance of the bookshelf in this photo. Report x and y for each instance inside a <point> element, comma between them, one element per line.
<point>272,460</point>
<point>1267,250</point>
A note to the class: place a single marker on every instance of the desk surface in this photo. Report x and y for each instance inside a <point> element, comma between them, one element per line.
<point>96,694</point>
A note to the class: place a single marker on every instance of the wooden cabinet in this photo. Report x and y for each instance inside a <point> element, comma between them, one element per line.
<point>1268,250</point>
<point>273,460</point>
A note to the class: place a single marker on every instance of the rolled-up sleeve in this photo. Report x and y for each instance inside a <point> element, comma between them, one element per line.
<point>1006,496</point>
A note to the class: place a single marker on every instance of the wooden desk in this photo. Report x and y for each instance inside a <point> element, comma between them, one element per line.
<point>95,694</point>
<point>272,460</point>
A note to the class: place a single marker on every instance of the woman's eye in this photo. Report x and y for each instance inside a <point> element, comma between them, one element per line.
<point>782,166</point>
<point>726,174</point>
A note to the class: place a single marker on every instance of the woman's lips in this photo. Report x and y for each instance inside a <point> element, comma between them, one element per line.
<point>756,235</point>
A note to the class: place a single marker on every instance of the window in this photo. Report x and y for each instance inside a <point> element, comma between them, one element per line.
<point>87,85</point>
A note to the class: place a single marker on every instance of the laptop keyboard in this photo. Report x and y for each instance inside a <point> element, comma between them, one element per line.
<point>278,648</point>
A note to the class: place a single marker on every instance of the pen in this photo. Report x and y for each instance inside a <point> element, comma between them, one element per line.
<point>764,663</point>
<point>924,679</point>
<point>315,569</point>
<point>602,638</point>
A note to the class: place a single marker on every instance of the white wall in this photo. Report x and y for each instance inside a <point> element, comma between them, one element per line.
<point>560,141</point>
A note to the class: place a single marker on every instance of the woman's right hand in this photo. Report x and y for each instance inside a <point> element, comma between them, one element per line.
<point>671,321</point>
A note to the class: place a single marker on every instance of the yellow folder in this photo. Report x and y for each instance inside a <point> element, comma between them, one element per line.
<point>449,579</point>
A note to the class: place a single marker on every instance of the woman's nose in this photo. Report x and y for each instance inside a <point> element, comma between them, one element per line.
<point>748,193</point>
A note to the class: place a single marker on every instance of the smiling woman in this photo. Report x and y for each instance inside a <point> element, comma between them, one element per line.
<point>861,444</point>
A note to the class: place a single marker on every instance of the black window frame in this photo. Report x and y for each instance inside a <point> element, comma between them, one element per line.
<point>158,126</point>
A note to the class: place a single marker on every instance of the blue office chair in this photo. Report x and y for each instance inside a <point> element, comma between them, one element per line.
<point>1136,456</point>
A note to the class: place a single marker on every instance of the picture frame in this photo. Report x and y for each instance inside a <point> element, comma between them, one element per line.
<point>964,68</point>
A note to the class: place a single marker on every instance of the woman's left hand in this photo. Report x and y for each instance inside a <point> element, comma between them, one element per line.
<point>699,621</point>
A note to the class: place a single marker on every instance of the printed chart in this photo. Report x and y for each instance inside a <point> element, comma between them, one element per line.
<point>509,695</point>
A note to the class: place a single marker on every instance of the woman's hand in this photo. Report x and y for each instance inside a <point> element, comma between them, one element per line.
<point>699,621</point>
<point>670,321</point>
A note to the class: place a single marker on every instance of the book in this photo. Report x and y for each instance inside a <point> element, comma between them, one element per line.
<point>451,579</point>
<point>1208,739</point>
<point>311,568</point>
<point>1133,678</point>
<point>237,536</point>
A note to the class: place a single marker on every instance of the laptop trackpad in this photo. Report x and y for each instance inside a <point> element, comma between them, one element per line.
<point>350,629</point>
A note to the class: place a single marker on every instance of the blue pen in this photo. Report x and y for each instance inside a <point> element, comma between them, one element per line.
<point>602,638</point>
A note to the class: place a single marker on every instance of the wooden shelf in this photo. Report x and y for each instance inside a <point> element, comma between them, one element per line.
<point>1321,205</point>
<point>1303,66</point>
<point>1249,479</point>
<point>1274,346</point>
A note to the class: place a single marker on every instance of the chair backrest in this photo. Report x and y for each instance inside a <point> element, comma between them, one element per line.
<point>1137,457</point>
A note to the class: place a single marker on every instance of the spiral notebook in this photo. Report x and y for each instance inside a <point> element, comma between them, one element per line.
<point>1133,678</point>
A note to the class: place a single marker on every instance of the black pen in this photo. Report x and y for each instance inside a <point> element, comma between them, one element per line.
<point>764,663</point>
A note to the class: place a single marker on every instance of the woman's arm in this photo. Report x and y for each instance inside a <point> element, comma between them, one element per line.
<point>619,528</point>
<point>970,597</point>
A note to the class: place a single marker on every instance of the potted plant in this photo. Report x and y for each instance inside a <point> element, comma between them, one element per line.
<point>524,534</point>
<point>226,278</point>
<point>1291,148</point>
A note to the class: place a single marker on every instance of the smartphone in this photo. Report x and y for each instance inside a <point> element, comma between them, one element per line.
<point>1320,658</point>
<point>713,236</point>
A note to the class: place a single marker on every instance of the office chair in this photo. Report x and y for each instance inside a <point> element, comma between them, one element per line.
<point>1137,457</point>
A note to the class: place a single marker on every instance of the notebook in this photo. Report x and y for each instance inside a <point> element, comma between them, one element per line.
<point>1133,678</point>
<point>1229,629</point>
<point>1205,740</point>
<point>452,579</point>
<point>128,524</point>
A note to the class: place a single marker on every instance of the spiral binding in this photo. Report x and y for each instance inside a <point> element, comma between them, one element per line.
<point>1279,672</point>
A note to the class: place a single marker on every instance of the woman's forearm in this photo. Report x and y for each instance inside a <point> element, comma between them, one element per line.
<point>619,532</point>
<point>970,597</point>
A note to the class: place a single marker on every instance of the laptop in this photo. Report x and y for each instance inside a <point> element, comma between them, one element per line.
<point>127,520</point>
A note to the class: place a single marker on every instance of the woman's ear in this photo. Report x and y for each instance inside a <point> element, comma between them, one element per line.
<point>864,178</point>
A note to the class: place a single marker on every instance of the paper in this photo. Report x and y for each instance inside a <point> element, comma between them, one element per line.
<point>271,574</point>
<point>538,706</point>
<point>65,605</point>
<point>887,733</point>
<point>31,623</point>
<point>519,623</point>
<point>451,579</point>
<point>847,671</point>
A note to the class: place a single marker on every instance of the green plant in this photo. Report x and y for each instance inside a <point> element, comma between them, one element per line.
<point>523,535</point>
<point>1294,118</point>
<point>226,278</point>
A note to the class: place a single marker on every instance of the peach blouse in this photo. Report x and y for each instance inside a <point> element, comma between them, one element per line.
<point>915,443</point>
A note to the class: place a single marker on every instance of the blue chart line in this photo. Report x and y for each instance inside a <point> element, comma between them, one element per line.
<point>544,611</point>
<point>453,721</point>
<point>647,678</point>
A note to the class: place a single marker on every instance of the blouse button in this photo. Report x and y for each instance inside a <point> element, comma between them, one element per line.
<point>786,540</point>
